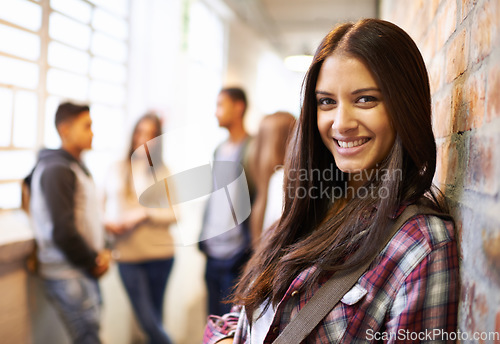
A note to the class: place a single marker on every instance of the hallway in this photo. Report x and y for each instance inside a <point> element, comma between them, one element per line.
<point>171,57</point>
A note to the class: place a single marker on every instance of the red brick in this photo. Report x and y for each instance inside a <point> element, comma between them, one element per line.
<point>418,4</point>
<point>459,231</point>
<point>467,298</point>
<point>480,172</point>
<point>476,311</point>
<point>432,10</point>
<point>493,96</point>
<point>441,164</point>
<point>446,164</point>
<point>475,94</point>
<point>441,116</point>
<point>446,21</point>
<point>436,71</point>
<point>458,108</point>
<point>429,43</point>
<point>481,306</point>
<point>466,7</point>
<point>484,31</point>
<point>491,247</point>
<point>453,163</point>
<point>457,56</point>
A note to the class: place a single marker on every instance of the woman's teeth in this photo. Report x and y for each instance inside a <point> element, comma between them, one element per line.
<point>351,144</point>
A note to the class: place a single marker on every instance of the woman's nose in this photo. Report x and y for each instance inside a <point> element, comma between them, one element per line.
<point>344,119</point>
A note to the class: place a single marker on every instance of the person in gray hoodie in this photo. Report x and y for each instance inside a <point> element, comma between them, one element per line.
<point>68,229</point>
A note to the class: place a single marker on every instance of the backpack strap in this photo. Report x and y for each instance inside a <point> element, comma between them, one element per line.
<point>339,284</point>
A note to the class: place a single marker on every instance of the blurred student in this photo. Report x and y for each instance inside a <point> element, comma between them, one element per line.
<point>268,161</point>
<point>226,253</point>
<point>68,230</point>
<point>144,246</point>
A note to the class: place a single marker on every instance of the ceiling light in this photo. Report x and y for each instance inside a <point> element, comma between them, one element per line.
<point>298,63</point>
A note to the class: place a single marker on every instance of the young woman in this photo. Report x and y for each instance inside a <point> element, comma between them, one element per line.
<point>143,244</point>
<point>365,136</point>
<point>268,159</point>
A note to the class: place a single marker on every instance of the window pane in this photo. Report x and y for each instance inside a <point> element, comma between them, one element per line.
<point>25,119</point>
<point>5,116</point>
<point>206,34</point>
<point>67,84</point>
<point>19,73</point>
<point>19,43</point>
<point>16,164</point>
<point>69,31</point>
<point>68,58</point>
<point>120,7</point>
<point>51,137</point>
<point>22,13</point>
<point>107,93</point>
<point>76,9</point>
<point>108,127</point>
<point>107,23</point>
<point>105,70</point>
<point>10,195</point>
<point>105,46</point>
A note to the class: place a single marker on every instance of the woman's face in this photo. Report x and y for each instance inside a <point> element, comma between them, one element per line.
<point>145,131</point>
<point>352,118</point>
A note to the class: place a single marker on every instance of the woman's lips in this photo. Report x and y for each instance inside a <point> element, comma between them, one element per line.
<point>350,147</point>
<point>352,143</point>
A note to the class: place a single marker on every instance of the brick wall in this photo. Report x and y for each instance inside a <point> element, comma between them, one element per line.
<point>460,42</point>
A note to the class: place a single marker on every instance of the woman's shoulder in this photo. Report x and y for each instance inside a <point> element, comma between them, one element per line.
<point>427,230</point>
<point>420,237</point>
<point>437,227</point>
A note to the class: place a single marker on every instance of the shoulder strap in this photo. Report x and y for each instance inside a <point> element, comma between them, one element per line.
<point>335,288</point>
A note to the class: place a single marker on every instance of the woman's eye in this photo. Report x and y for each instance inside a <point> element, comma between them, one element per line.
<point>367,99</point>
<point>326,101</point>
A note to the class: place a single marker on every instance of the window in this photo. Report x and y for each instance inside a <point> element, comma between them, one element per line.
<point>205,69</point>
<point>80,54</point>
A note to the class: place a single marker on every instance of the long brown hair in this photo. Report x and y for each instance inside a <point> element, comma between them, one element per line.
<point>309,233</point>
<point>274,134</point>
<point>149,116</point>
<point>269,154</point>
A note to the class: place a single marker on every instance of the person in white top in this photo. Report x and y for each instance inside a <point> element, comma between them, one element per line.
<point>268,160</point>
<point>143,245</point>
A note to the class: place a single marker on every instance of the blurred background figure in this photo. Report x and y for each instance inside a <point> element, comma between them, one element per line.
<point>67,226</point>
<point>226,253</point>
<point>143,244</point>
<point>267,168</point>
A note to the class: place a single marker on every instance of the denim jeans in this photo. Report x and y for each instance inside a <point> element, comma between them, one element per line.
<point>78,302</point>
<point>221,275</point>
<point>145,284</point>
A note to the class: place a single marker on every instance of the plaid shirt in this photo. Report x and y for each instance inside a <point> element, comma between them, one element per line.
<point>409,296</point>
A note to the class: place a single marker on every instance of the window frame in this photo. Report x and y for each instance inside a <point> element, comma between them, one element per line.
<point>41,91</point>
